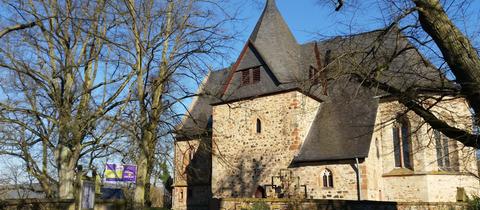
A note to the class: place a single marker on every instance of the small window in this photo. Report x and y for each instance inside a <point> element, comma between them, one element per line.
<point>256,74</point>
<point>327,178</point>
<point>260,192</point>
<point>246,77</point>
<point>259,126</point>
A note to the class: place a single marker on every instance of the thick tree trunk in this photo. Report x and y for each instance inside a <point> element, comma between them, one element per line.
<point>142,179</point>
<point>66,174</point>
<point>457,50</point>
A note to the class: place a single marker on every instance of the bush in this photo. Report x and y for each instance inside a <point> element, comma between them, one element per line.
<point>473,203</point>
<point>260,206</point>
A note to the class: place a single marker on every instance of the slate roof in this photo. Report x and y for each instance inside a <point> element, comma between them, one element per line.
<point>276,43</point>
<point>196,122</point>
<point>343,126</point>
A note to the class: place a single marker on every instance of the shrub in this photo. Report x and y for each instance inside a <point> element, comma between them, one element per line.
<point>473,203</point>
<point>260,206</point>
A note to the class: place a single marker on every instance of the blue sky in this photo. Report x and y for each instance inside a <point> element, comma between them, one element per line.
<point>310,20</point>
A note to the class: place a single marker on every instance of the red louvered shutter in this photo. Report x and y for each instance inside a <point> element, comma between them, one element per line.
<point>256,74</point>
<point>246,77</point>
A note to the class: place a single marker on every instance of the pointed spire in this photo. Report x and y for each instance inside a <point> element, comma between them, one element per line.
<point>276,43</point>
<point>271,15</point>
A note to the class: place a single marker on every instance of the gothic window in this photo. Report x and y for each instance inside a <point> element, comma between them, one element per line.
<point>256,74</point>
<point>441,143</point>
<point>246,77</point>
<point>327,178</point>
<point>402,144</point>
<point>259,126</point>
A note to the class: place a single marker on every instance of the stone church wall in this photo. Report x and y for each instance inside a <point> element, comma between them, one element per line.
<point>244,160</point>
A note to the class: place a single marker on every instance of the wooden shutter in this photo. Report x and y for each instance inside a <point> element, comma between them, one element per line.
<point>246,77</point>
<point>256,74</point>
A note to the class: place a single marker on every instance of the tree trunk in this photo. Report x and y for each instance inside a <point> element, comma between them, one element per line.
<point>142,179</point>
<point>457,50</point>
<point>150,117</point>
<point>66,174</point>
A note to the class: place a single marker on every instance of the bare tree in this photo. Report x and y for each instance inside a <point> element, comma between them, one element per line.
<point>59,83</point>
<point>167,45</point>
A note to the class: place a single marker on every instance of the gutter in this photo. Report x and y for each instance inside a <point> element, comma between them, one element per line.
<point>359,180</point>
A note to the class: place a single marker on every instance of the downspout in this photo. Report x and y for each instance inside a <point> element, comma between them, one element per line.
<point>359,180</point>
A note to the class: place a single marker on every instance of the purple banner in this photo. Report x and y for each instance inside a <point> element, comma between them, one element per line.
<point>120,173</point>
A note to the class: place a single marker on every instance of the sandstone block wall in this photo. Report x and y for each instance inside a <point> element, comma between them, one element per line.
<point>244,159</point>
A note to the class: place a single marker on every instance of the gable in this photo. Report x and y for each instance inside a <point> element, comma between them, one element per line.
<point>248,62</point>
<point>249,59</point>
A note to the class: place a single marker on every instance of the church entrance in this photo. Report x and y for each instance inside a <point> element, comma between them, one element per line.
<point>260,192</point>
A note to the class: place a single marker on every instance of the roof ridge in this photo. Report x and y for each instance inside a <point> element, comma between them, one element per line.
<point>345,36</point>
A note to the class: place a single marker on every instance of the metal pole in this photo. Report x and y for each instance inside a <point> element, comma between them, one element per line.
<point>359,180</point>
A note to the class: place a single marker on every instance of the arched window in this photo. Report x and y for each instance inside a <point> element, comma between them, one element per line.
<point>259,126</point>
<point>260,192</point>
<point>447,158</point>
<point>402,144</point>
<point>327,178</point>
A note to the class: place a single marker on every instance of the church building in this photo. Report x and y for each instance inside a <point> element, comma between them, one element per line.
<point>291,120</point>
